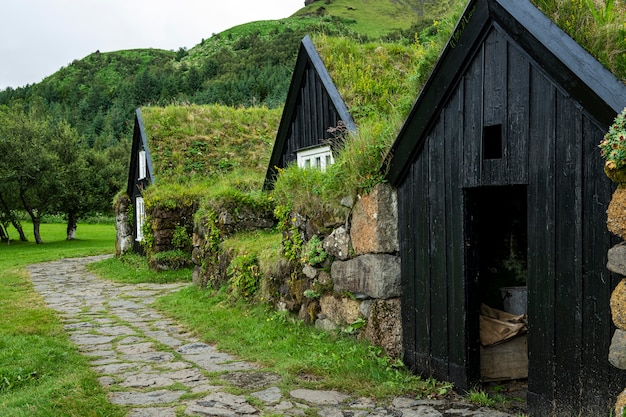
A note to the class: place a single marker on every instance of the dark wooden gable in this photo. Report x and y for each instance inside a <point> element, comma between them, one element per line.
<point>313,106</point>
<point>135,185</point>
<point>514,105</point>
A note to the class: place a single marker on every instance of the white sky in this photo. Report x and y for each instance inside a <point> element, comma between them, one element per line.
<point>38,37</point>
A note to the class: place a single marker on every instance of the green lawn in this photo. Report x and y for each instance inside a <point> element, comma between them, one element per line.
<point>41,372</point>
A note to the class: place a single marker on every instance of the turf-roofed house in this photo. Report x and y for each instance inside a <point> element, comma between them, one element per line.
<point>184,151</point>
<point>312,110</point>
<point>500,184</point>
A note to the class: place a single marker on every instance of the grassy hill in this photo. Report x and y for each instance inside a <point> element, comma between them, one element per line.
<point>379,52</point>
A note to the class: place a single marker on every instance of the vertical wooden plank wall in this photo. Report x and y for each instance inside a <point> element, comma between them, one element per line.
<point>568,256</point>
<point>459,334</point>
<point>494,171</point>
<point>541,244</point>
<point>550,145</point>
<point>438,245</point>
<point>518,88</point>
<point>595,377</point>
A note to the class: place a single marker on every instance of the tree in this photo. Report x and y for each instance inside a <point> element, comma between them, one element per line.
<point>72,173</point>
<point>28,165</point>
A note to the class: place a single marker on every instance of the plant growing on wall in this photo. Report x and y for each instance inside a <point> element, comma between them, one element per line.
<point>613,149</point>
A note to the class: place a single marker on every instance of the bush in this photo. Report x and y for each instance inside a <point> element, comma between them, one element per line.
<point>244,276</point>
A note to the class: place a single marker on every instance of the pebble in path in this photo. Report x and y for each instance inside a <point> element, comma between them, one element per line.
<point>155,368</point>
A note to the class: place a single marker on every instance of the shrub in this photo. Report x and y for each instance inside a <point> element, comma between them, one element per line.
<point>244,276</point>
<point>613,148</point>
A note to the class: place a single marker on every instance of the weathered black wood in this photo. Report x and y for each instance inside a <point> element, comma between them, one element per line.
<point>494,171</point>
<point>517,115</point>
<point>568,257</point>
<point>423,322</point>
<point>541,244</point>
<point>597,327</point>
<point>438,252</point>
<point>473,122</point>
<point>312,106</point>
<point>552,114</point>
<point>406,236</point>
<point>463,350</point>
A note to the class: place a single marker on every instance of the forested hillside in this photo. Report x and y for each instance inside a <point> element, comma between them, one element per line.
<point>94,98</point>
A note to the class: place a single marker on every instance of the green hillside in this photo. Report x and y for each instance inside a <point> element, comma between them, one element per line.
<point>379,53</point>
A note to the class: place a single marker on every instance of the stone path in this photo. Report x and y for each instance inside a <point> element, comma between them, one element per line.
<point>155,368</point>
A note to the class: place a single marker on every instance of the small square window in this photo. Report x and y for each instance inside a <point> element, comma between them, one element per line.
<point>492,142</point>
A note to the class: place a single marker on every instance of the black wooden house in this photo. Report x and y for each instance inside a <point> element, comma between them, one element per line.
<point>140,175</point>
<point>498,160</point>
<point>313,106</point>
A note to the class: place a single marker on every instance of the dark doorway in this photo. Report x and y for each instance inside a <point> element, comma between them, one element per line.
<point>496,242</point>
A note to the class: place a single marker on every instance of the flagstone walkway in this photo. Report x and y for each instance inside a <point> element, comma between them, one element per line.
<point>152,366</point>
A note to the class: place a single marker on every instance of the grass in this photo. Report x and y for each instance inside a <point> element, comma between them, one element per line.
<point>301,354</point>
<point>41,372</point>
<point>133,269</point>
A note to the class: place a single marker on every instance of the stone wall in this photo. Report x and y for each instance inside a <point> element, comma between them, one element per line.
<point>356,288</point>
<point>365,273</point>
<point>124,233</point>
<point>616,223</point>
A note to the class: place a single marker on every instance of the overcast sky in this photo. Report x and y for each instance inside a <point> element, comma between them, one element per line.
<point>38,37</point>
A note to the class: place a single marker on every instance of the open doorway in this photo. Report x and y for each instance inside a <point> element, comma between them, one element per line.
<point>496,241</point>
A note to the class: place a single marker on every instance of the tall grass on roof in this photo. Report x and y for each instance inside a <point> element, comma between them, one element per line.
<point>192,143</point>
<point>598,25</point>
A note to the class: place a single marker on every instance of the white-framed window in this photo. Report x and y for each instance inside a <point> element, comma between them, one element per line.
<point>319,157</point>
<point>142,164</point>
<point>140,213</point>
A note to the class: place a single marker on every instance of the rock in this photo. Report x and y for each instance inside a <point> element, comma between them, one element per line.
<point>221,404</point>
<point>340,310</point>
<point>616,213</point>
<point>347,201</point>
<point>374,226</point>
<point>617,259</point>
<point>309,271</point>
<point>617,351</point>
<point>366,308</point>
<point>322,323</point>
<point>384,326</point>
<point>618,305</point>
<point>145,398</point>
<point>376,276</point>
<point>271,395</point>
<point>337,244</point>
<point>124,233</point>
<point>319,397</point>
<point>251,380</point>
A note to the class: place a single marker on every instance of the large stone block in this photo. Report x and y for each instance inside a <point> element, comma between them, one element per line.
<point>616,213</point>
<point>373,276</point>
<point>124,233</point>
<point>337,244</point>
<point>618,305</point>
<point>617,259</point>
<point>384,326</point>
<point>339,310</point>
<point>374,226</point>
<point>617,351</point>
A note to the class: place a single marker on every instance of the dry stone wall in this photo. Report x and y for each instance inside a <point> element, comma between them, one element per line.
<point>365,273</point>
<point>124,233</point>
<point>616,223</point>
